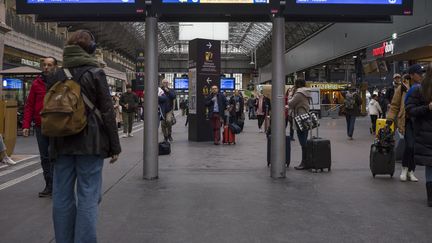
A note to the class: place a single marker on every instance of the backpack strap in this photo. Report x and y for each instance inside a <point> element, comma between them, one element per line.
<point>85,98</point>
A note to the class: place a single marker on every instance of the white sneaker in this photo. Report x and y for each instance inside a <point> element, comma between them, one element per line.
<point>125,135</point>
<point>130,135</point>
<point>8,160</point>
<point>404,174</point>
<point>412,177</point>
<point>260,130</point>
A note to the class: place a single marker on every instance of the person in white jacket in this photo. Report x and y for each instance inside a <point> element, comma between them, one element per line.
<point>374,111</point>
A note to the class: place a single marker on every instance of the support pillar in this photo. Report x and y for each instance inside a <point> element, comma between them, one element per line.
<point>278,169</point>
<point>151,149</point>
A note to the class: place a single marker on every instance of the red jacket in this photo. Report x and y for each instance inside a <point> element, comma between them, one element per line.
<point>34,103</point>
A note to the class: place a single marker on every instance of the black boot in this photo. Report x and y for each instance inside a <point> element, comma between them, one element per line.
<point>429,193</point>
<point>47,192</point>
<point>302,165</point>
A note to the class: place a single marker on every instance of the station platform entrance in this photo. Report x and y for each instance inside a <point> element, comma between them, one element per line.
<point>208,193</point>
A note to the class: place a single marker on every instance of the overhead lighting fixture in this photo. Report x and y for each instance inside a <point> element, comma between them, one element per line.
<point>394,36</point>
<point>354,57</point>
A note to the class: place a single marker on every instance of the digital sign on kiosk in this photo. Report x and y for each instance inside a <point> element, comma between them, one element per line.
<point>348,8</point>
<point>227,83</point>
<point>85,10</point>
<point>208,10</point>
<point>181,83</point>
<point>12,83</point>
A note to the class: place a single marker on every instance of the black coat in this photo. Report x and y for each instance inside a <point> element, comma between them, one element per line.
<point>232,103</point>
<point>222,103</point>
<point>99,138</point>
<point>421,117</point>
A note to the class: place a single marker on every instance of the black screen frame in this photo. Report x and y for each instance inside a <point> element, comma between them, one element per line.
<point>83,10</point>
<point>293,9</point>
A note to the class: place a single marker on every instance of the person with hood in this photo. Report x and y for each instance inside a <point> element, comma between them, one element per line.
<point>32,110</point>
<point>352,105</point>
<point>419,110</point>
<point>374,112</point>
<point>299,105</point>
<point>129,102</point>
<point>80,157</point>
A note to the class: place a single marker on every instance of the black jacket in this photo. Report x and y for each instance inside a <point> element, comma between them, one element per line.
<point>99,138</point>
<point>266,105</point>
<point>222,103</point>
<point>421,117</point>
<point>171,96</point>
<point>131,99</point>
<point>232,103</point>
<point>356,111</point>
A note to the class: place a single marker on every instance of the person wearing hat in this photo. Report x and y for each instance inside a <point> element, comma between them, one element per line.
<point>415,75</point>
<point>129,103</point>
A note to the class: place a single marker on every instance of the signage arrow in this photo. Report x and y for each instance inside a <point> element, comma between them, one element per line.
<point>208,81</point>
<point>209,45</point>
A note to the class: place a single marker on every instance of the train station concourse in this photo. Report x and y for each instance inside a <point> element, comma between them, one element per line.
<point>215,121</point>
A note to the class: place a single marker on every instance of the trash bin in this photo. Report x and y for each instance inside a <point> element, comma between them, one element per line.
<point>8,123</point>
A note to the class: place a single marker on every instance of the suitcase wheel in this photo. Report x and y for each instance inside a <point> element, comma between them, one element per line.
<point>373,175</point>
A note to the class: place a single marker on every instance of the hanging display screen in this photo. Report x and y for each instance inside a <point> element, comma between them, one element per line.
<point>215,10</point>
<point>83,10</point>
<point>387,2</point>
<point>12,83</point>
<point>78,1</point>
<point>181,83</point>
<point>347,8</point>
<point>227,83</point>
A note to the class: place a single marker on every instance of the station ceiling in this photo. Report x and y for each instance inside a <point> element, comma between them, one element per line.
<point>244,38</point>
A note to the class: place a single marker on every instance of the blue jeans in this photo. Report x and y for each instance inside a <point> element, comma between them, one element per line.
<point>350,120</point>
<point>47,165</point>
<point>428,173</point>
<point>75,219</point>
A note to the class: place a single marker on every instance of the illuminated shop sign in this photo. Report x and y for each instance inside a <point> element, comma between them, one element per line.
<point>30,63</point>
<point>386,48</point>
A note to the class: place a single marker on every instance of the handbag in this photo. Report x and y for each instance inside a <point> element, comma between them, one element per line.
<point>306,121</point>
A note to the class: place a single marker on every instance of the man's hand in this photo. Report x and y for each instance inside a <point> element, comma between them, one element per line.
<point>25,132</point>
<point>114,158</point>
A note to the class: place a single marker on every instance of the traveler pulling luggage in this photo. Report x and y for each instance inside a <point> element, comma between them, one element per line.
<point>228,136</point>
<point>382,156</point>
<point>318,153</point>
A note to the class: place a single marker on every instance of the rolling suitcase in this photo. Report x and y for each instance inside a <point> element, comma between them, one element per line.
<point>287,150</point>
<point>228,137</point>
<point>318,153</point>
<point>382,160</point>
<point>164,148</point>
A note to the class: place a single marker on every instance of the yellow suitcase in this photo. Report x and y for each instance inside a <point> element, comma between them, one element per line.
<point>382,123</point>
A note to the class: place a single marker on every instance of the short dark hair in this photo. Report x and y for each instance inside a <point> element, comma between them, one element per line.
<point>55,60</point>
<point>300,83</point>
<point>374,96</point>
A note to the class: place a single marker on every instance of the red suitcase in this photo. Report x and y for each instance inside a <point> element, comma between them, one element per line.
<point>228,135</point>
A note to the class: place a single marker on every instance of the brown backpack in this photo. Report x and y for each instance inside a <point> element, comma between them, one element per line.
<point>64,111</point>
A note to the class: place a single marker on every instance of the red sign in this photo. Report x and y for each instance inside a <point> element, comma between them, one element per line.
<point>387,47</point>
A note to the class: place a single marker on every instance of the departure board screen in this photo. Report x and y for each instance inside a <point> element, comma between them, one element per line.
<point>78,1</point>
<point>372,2</point>
<point>217,1</point>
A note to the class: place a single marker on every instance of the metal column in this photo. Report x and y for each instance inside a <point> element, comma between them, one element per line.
<point>278,169</point>
<point>150,167</point>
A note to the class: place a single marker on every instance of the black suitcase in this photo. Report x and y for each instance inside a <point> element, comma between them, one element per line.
<point>382,161</point>
<point>164,148</point>
<point>287,150</point>
<point>235,128</point>
<point>318,153</point>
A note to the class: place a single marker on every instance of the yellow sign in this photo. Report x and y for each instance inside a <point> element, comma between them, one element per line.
<point>330,86</point>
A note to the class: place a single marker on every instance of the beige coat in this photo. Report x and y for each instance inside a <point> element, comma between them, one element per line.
<point>397,108</point>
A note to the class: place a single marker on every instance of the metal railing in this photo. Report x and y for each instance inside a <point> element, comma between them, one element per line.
<point>25,26</point>
<point>332,110</point>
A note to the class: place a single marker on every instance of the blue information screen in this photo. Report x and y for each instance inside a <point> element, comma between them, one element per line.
<point>12,83</point>
<point>79,1</point>
<point>181,83</point>
<point>227,83</point>
<point>217,1</point>
<point>377,2</point>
